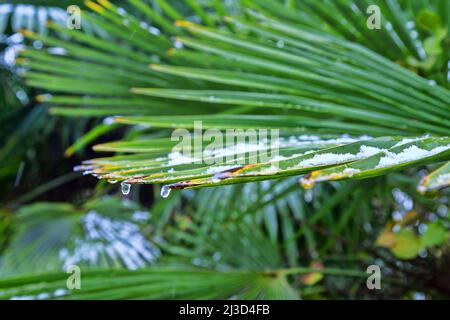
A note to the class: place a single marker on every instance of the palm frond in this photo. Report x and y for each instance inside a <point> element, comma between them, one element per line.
<point>105,233</point>
<point>162,283</point>
<point>349,103</point>
<point>324,81</point>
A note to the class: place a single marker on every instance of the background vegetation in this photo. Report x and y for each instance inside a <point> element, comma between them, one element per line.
<point>345,98</point>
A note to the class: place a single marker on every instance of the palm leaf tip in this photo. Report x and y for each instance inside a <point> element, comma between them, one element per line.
<point>436,180</point>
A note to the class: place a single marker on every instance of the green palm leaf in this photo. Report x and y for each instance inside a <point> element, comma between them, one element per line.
<point>266,61</point>
<point>162,283</point>
<point>52,236</point>
<point>350,103</point>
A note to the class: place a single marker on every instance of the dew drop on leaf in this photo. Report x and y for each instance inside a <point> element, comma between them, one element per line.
<point>165,191</point>
<point>126,188</point>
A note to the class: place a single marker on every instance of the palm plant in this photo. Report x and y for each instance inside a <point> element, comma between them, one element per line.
<point>350,103</point>
<point>25,124</point>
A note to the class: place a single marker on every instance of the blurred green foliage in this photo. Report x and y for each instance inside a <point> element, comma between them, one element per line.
<point>269,239</point>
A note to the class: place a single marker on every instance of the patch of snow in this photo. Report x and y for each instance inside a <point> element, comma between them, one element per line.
<point>305,137</point>
<point>272,169</point>
<point>214,170</point>
<point>119,239</point>
<point>408,140</point>
<point>280,158</point>
<point>176,158</point>
<point>326,158</point>
<point>351,171</point>
<point>368,151</point>
<point>332,158</point>
<point>443,179</point>
<point>409,154</point>
<point>239,148</point>
<point>302,140</point>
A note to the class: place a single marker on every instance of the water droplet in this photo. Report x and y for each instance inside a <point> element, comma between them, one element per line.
<point>126,188</point>
<point>165,191</point>
<point>38,44</point>
<point>309,195</point>
<point>280,44</point>
<point>154,31</point>
<point>178,44</point>
<point>109,121</point>
<point>410,24</point>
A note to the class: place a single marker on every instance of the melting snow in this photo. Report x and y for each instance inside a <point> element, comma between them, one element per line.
<point>326,158</point>
<point>409,154</point>
<point>308,139</point>
<point>239,148</point>
<point>119,239</point>
<point>331,158</point>
<point>214,170</point>
<point>350,171</point>
<point>407,140</point>
<point>269,170</point>
<point>443,179</point>
<point>176,158</point>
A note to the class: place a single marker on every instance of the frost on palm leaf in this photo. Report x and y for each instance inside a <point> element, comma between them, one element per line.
<point>258,69</point>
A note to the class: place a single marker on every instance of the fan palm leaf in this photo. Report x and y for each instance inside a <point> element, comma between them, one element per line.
<point>265,66</point>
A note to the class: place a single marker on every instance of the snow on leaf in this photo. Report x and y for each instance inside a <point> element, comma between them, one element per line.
<point>332,158</point>
<point>409,154</point>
